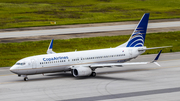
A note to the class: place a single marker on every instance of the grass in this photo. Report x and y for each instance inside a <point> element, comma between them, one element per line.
<point>29,13</point>
<point>12,52</point>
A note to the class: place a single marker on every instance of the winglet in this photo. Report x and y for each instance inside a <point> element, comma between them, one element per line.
<point>50,51</point>
<point>51,44</point>
<point>157,57</point>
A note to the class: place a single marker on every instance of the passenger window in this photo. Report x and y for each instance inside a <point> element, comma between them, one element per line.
<point>20,63</point>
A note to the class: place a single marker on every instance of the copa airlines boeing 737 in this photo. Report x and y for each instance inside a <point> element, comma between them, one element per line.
<point>84,63</point>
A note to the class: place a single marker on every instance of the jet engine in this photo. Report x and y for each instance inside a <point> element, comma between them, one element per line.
<point>81,71</point>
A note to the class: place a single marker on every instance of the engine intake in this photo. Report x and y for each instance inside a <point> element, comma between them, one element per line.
<point>82,71</point>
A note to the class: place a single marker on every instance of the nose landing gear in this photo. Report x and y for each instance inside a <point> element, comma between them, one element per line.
<point>25,77</point>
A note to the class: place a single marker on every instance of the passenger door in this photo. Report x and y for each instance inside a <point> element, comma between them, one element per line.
<point>34,65</point>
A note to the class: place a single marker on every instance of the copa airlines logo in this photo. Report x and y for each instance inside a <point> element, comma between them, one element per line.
<point>55,58</point>
<point>137,39</point>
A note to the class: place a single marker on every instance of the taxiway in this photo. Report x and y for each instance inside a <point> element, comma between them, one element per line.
<point>66,31</point>
<point>129,83</point>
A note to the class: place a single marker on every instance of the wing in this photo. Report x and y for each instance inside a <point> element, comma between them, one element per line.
<point>123,64</point>
<point>118,64</point>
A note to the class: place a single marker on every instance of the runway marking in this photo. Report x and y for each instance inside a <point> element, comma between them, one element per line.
<point>168,60</point>
<point>7,74</point>
<point>10,82</point>
<point>126,95</point>
<point>167,67</point>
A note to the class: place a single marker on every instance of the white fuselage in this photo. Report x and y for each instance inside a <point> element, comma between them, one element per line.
<point>64,61</point>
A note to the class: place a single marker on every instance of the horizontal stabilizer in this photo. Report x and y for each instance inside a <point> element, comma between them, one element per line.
<point>144,49</point>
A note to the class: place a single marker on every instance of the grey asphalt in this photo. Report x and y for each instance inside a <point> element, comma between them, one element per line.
<point>129,83</point>
<point>64,31</point>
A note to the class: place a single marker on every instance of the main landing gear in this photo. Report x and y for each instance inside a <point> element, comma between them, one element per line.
<point>93,74</point>
<point>25,78</point>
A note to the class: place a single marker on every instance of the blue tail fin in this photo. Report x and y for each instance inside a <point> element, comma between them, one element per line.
<point>137,38</point>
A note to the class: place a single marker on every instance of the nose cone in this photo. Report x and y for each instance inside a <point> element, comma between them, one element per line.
<point>14,69</point>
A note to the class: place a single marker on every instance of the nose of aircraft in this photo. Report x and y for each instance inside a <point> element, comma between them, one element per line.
<point>14,69</point>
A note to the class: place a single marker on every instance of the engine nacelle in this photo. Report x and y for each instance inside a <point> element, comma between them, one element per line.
<point>82,71</point>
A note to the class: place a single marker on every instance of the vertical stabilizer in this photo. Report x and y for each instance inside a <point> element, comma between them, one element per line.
<point>137,38</point>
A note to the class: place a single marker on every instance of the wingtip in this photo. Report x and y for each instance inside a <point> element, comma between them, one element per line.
<point>157,57</point>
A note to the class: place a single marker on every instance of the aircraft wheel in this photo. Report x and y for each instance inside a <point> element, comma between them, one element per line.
<point>25,78</point>
<point>93,74</point>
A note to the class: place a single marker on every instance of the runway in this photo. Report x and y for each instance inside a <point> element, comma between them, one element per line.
<point>129,83</point>
<point>66,31</point>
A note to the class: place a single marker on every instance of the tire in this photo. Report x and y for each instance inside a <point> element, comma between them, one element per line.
<point>26,78</point>
<point>93,74</point>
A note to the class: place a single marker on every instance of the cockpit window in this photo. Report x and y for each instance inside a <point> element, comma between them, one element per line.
<point>20,63</point>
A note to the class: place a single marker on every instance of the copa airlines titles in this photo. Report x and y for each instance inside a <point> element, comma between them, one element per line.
<point>55,58</point>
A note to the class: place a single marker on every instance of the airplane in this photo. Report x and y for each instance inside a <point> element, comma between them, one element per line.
<point>84,63</point>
